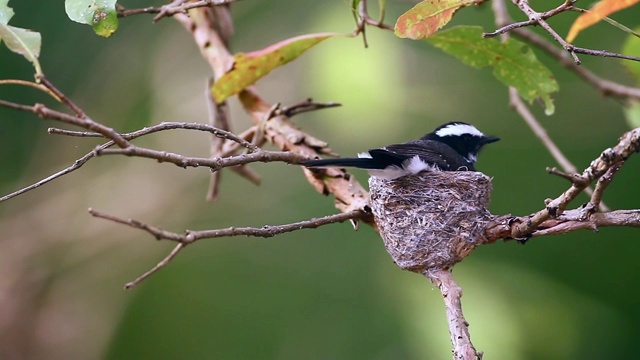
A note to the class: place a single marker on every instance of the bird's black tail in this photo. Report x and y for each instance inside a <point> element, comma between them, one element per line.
<point>362,163</point>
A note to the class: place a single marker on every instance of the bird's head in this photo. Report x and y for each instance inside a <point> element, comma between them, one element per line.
<point>464,138</point>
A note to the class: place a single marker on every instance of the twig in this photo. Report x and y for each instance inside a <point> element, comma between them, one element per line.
<point>503,227</point>
<point>463,349</point>
<point>76,165</point>
<point>628,144</point>
<point>305,106</point>
<point>214,164</point>
<point>595,202</point>
<point>218,117</point>
<point>536,18</point>
<point>535,126</point>
<point>606,87</point>
<point>86,123</point>
<point>164,262</point>
<point>557,172</point>
<point>163,126</point>
<point>190,236</point>
<point>178,6</point>
<point>504,21</point>
<point>158,233</point>
<point>266,231</point>
<point>363,19</point>
<point>521,108</point>
<point>60,95</point>
<point>129,136</point>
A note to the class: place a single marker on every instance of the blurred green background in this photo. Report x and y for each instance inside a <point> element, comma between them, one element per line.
<point>329,293</point>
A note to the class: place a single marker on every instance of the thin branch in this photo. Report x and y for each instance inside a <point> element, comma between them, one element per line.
<point>129,136</point>
<point>218,117</point>
<point>60,95</point>
<point>535,126</point>
<point>363,19</point>
<point>603,53</point>
<point>86,123</point>
<point>75,166</point>
<point>158,233</point>
<point>523,110</point>
<point>606,87</point>
<point>163,126</point>
<point>31,84</point>
<point>505,23</point>
<point>536,18</point>
<point>595,203</point>
<point>178,6</point>
<point>164,262</point>
<point>305,106</point>
<point>190,236</point>
<point>628,144</point>
<point>557,172</point>
<point>214,164</point>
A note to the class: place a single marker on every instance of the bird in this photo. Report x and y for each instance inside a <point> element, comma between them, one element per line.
<point>453,146</point>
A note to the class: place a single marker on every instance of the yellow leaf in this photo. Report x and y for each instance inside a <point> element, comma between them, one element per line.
<point>601,10</point>
<point>427,17</point>
<point>250,67</point>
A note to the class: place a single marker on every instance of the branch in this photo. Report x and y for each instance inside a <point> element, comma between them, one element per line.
<point>503,227</point>
<point>177,6</point>
<point>629,143</point>
<point>214,164</point>
<point>463,349</point>
<point>164,262</point>
<point>130,136</point>
<point>83,122</point>
<point>191,236</point>
<point>305,106</point>
<point>595,203</point>
<point>522,109</point>
<point>363,19</point>
<point>537,18</point>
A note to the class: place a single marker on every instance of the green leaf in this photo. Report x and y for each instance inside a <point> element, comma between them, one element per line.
<point>632,113</point>
<point>249,68</point>
<point>427,17</point>
<point>631,47</point>
<point>513,63</point>
<point>100,14</point>
<point>6,13</point>
<point>24,42</point>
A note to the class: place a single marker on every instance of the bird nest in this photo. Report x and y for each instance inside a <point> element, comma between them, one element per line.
<point>431,220</point>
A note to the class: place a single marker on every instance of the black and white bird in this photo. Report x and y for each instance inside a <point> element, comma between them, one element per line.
<point>453,146</point>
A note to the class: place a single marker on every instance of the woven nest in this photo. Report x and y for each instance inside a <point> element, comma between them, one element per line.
<point>431,220</point>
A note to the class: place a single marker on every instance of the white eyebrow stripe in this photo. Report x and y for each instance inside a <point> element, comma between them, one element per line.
<point>459,129</point>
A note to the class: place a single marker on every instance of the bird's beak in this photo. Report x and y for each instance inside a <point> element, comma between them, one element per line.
<point>490,139</point>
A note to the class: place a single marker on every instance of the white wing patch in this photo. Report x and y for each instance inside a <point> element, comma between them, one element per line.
<point>410,166</point>
<point>364,155</point>
<point>459,129</point>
